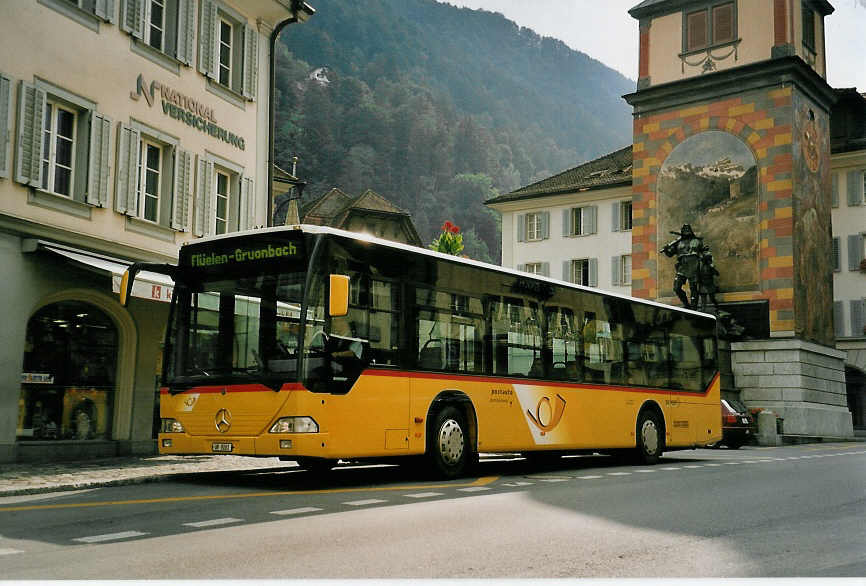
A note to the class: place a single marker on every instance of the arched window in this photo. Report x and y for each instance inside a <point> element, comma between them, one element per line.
<point>68,376</point>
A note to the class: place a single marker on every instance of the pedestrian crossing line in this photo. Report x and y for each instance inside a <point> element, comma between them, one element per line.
<point>619,473</point>
<point>590,477</point>
<point>9,551</point>
<point>365,502</point>
<point>693,466</point>
<point>554,479</point>
<point>298,511</point>
<point>213,522</point>
<point>518,483</point>
<point>423,495</point>
<point>714,465</point>
<point>732,463</point>
<point>110,537</point>
<point>670,468</point>
<point>473,489</point>
<point>644,471</point>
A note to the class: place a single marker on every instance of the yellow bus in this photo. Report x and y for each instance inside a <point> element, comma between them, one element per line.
<point>316,345</point>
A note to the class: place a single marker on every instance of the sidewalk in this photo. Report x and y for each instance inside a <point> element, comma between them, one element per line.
<point>18,479</point>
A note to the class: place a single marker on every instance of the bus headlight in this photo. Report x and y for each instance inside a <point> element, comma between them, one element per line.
<point>168,425</point>
<point>295,425</point>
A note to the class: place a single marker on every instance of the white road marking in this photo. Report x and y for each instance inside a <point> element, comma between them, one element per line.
<point>669,468</point>
<point>110,537</point>
<point>554,479</point>
<point>644,471</point>
<point>693,466</point>
<point>619,473</point>
<point>518,483</point>
<point>713,465</point>
<point>732,463</point>
<point>298,511</point>
<point>473,489</point>
<point>423,495</point>
<point>9,551</point>
<point>589,477</point>
<point>365,502</point>
<point>213,522</point>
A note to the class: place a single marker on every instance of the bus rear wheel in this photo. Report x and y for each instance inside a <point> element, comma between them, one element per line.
<point>650,438</point>
<point>448,446</point>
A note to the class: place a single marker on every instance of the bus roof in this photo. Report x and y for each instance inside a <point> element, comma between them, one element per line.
<point>315,229</point>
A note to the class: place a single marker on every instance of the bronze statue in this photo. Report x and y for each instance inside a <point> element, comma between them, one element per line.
<point>688,249</point>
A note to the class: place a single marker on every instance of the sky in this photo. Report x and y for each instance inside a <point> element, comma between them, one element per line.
<point>611,36</point>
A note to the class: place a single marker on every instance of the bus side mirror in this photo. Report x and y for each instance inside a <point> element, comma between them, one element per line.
<point>126,284</point>
<point>338,302</point>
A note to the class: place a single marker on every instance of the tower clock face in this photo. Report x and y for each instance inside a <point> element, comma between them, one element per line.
<point>810,146</point>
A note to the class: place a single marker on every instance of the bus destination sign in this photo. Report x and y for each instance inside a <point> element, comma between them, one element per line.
<point>244,255</point>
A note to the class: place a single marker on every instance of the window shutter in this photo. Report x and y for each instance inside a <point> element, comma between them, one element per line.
<point>593,272</point>
<point>545,269</point>
<point>855,251</point>
<point>182,190</point>
<point>855,193</point>
<point>615,212</point>
<point>566,223</point>
<point>566,271</point>
<point>98,163</point>
<point>251,62</point>
<point>128,145</point>
<point>31,114</point>
<point>5,124</point>
<point>133,18</point>
<point>247,219</point>
<point>856,306</point>
<point>837,254</point>
<point>696,23</point>
<point>104,9</point>
<point>838,318</point>
<point>204,198</point>
<point>545,225</point>
<point>521,267</point>
<point>185,31</point>
<point>615,270</point>
<point>592,219</point>
<point>723,23</point>
<point>521,228</point>
<point>207,39</point>
<point>834,193</point>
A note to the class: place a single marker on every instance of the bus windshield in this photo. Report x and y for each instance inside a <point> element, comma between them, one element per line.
<point>233,329</point>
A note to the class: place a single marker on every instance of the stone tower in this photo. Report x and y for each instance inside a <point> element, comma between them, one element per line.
<point>731,135</point>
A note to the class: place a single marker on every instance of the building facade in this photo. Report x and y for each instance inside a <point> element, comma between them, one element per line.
<point>128,127</point>
<point>732,136</point>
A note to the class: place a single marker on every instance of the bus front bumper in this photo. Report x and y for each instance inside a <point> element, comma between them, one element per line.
<point>285,444</point>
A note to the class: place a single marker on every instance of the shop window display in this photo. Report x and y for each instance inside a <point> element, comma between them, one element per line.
<point>68,375</point>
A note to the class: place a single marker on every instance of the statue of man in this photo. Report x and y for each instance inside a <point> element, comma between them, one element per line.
<point>687,248</point>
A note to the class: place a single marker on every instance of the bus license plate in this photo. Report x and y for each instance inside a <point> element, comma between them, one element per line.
<point>222,447</point>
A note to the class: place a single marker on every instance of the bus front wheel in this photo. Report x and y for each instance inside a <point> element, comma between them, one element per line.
<point>448,446</point>
<point>650,438</point>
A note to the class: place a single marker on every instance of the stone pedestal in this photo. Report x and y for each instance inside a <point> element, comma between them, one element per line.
<point>803,383</point>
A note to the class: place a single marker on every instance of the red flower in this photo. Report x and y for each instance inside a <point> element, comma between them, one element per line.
<point>446,227</point>
<point>455,229</point>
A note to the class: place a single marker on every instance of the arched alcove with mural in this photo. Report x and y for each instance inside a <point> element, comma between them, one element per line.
<point>710,181</point>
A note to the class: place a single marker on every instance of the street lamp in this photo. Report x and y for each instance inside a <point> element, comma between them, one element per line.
<point>301,12</point>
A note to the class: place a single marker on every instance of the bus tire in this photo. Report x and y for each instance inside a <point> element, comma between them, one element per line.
<point>448,445</point>
<point>650,437</point>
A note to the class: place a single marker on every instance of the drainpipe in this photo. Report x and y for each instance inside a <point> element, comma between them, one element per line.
<point>301,11</point>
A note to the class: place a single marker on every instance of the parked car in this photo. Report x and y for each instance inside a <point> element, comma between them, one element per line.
<point>738,425</point>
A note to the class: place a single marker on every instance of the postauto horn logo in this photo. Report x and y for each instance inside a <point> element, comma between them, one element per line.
<point>547,416</point>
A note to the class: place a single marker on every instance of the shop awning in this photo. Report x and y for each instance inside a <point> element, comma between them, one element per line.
<point>147,285</point>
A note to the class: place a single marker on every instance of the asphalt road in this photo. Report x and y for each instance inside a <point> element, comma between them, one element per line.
<point>755,512</point>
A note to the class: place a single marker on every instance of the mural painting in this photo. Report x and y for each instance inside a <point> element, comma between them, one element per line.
<point>709,181</point>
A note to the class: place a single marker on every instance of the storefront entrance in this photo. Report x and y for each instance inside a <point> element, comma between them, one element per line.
<point>68,380</point>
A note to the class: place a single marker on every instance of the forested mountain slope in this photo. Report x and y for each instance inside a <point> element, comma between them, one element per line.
<point>438,108</point>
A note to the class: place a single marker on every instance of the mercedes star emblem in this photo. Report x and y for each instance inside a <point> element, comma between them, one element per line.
<point>223,420</point>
